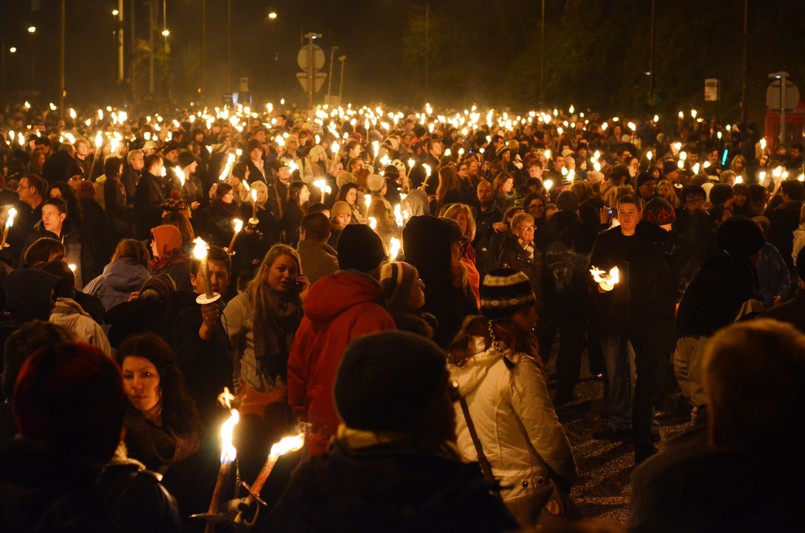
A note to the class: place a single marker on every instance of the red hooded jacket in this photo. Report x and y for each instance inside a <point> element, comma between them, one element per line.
<point>338,309</point>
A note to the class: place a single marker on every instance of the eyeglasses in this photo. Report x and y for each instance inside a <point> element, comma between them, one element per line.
<point>525,228</point>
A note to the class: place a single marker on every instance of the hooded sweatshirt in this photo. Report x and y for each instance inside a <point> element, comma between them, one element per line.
<point>338,309</point>
<point>119,279</point>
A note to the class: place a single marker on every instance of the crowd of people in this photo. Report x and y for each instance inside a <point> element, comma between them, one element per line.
<point>394,284</point>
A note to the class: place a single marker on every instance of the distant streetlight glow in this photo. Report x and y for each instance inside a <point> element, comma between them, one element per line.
<point>31,29</point>
<point>272,15</point>
<point>12,50</point>
<point>115,12</point>
<point>166,32</point>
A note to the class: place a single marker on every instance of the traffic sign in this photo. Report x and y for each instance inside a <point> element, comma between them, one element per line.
<point>308,53</point>
<point>773,95</point>
<point>304,80</point>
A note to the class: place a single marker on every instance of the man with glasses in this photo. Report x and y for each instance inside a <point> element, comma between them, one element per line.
<point>31,193</point>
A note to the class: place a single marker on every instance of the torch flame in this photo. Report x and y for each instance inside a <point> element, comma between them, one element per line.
<point>287,444</point>
<point>237,224</point>
<point>394,248</point>
<point>11,214</point>
<point>373,223</point>
<point>200,249</point>
<point>228,451</point>
<point>226,398</point>
<point>606,281</point>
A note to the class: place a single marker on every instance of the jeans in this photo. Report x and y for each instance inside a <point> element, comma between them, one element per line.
<point>619,361</point>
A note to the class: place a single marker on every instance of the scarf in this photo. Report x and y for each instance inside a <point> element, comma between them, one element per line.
<point>273,329</point>
<point>158,447</point>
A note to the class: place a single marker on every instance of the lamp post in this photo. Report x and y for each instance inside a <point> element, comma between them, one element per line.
<point>330,77</point>
<point>32,32</point>
<point>11,50</point>
<point>342,59</point>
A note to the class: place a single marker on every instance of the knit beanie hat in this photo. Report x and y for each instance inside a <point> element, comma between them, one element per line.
<point>386,380</point>
<point>739,236</point>
<point>567,201</point>
<point>360,248</point>
<point>340,208</point>
<point>659,212</point>
<point>720,193</point>
<point>505,292</point>
<point>397,278</point>
<point>71,398</point>
<point>168,240</point>
<point>186,158</point>
<point>669,166</point>
<point>376,182</point>
<point>644,177</point>
<point>344,178</point>
<point>163,284</point>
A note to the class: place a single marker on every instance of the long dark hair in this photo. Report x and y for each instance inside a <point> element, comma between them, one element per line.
<point>178,409</point>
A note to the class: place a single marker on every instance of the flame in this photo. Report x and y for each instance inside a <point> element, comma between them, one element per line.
<point>226,398</point>
<point>398,215</point>
<point>394,248</point>
<point>287,444</point>
<point>72,267</point>
<point>606,281</point>
<point>228,451</point>
<point>200,249</point>
<point>98,140</point>
<point>180,174</point>
<point>230,160</point>
<point>237,224</point>
<point>373,223</point>
<point>254,195</point>
<point>10,220</point>
<point>548,184</point>
<point>368,201</point>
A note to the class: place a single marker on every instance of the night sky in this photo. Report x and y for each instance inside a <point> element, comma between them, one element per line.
<point>596,52</point>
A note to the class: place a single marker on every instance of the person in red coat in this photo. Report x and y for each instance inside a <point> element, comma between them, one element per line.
<point>338,309</point>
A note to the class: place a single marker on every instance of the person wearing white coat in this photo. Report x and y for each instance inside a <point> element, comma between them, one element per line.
<point>494,362</point>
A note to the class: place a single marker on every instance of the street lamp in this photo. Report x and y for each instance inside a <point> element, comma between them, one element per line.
<point>31,29</point>
<point>342,59</point>
<point>272,14</point>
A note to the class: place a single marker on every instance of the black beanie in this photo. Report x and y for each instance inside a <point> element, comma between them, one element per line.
<point>720,193</point>
<point>504,293</point>
<point>739,236</point>
<point>386,380</point>
<point>360,248</point>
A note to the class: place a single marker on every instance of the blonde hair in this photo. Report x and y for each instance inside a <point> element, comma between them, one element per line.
<point>453,210</point>
<point>258,287</point>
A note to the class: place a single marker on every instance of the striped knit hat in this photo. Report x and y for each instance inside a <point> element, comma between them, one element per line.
<point>397,278</point>
<point>505,292</point>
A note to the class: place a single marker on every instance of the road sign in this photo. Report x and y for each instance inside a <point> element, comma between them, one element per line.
<point>773,95</point>
<point>711,90</point>
<point>308,53</point>
<point>318,80</point>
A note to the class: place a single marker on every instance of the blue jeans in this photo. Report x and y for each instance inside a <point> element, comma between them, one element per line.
<point>619,361</point>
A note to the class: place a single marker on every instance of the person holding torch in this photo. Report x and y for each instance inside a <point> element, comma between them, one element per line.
<point>633,318</point>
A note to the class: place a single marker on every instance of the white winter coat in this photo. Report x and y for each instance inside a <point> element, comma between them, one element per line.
<point>515,421</point>
<point>71,315</point>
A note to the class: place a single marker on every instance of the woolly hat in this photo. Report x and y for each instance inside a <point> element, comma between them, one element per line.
<point>344,178</point>
<point>360,248</point>
<point>505,292</point>
<point>340,208</point>
<point>567,201</point>
<point>668,167</point>
<point>720,193</point>
<point>149,145</point>
<point>386,380</point>
<point>376,182</point>
<point>739,236</point>
<point>397,278</point>
<point>71,398</point>
<point>162,284</point>
<point>659,212</point>
<point>643,178</point>
<point>500,149</point>
<point>167,240</point>
<point>186,158</point>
